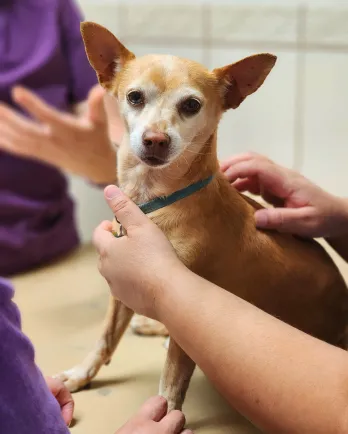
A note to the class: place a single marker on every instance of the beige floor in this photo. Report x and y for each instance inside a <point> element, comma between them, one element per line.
<point>63,307</point>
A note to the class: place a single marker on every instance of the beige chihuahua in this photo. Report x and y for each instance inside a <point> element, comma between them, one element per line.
<point>168,165</point>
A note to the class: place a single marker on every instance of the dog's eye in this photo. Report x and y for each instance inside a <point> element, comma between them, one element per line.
<point>190,106</point>
<point>136,98</point>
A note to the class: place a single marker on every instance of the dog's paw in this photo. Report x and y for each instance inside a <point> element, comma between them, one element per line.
<point>146,326</point>
<point>75,379</point>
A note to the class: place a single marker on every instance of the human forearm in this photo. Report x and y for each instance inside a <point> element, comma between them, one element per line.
<point>277,376</point>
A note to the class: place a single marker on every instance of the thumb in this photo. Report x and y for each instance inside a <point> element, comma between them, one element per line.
<point>96,107</point>
<point>126,211</point>
<point>293,220</point>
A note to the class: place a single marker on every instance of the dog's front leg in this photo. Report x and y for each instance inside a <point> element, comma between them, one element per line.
<point>176,376</point>
<point>117,320</point>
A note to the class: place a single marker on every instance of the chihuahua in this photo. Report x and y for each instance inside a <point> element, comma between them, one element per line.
<point>167,163</point>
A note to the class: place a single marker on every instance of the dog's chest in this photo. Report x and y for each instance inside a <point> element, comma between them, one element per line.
<point>137,192</point>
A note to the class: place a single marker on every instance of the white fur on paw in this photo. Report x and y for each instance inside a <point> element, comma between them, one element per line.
<point>75,378</point>
<point>146,326</point>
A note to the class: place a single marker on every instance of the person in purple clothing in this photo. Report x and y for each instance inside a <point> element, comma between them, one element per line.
<point>59,104</point>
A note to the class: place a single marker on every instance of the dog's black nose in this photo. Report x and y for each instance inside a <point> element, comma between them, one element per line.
<point>156,141</point>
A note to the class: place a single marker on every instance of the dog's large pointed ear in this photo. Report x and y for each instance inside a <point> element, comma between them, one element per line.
<point>104,51</point>
<point>244,78</point>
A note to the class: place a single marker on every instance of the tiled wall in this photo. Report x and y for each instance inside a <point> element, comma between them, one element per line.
<point>300,116</point>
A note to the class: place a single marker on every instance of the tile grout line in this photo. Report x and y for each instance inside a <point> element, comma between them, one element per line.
<point>221,44</point>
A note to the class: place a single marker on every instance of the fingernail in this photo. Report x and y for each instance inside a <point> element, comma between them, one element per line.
<point>261,219</point>
<point>112,191</point>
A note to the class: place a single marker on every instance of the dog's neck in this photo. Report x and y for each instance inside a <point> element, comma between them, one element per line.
<point>143,183</point>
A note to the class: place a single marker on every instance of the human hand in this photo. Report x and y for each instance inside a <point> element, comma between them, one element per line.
<point>152,418</point>
<point>64,398</point>
<point>301,207</point>
<point>78,144</point>
<point>144,248</point>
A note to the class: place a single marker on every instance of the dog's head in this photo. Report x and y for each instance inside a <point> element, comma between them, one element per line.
<point>171,106</point>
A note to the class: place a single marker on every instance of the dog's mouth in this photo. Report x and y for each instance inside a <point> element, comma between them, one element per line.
<point>154,161</point>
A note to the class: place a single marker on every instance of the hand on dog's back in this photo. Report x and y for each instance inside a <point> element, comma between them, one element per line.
<point>300,207</point>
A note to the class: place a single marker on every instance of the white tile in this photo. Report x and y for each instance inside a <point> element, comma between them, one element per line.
<point>106,15</point>
<point>327,25</point>
<point>254,23</point>
<point>264,122</point>
<point>321,3</point>
<point>183,3</point>
<point>195,54</point>
<point>326,121</point>
<point>90,207</point>
<point>164,21</point>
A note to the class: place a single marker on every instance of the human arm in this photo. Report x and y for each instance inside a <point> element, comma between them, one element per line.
<point>26,404</point>
<point>300,207</point>
<point>275,375</point>
<point>76,139</point>
<point>80,145</point>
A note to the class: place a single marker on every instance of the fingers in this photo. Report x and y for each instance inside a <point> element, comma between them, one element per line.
<point>64,398</point>
<point>154,408</point>
<point>126,211</point>
<point>239,158</point>
<point>8,140</point>
<point>18,123</point>
<point>248,184</point>
<point>173,423</point>
<point>245,169</point>
<point>35,106</point>
<point>293,220</point>
<point>67,405</point>
<point>253,186</point>
<point>96,105</point>
<point>244,165</point>
<point>102,236</point>
<point>272,178</point>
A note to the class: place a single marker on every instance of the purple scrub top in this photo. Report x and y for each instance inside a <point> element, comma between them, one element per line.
<point>40,48</point>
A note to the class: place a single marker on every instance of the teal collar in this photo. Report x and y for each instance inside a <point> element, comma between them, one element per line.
<point>161,202</point>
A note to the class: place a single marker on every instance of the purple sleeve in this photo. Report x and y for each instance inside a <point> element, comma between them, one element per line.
<point>82,75</point>
<point>26,404</point>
